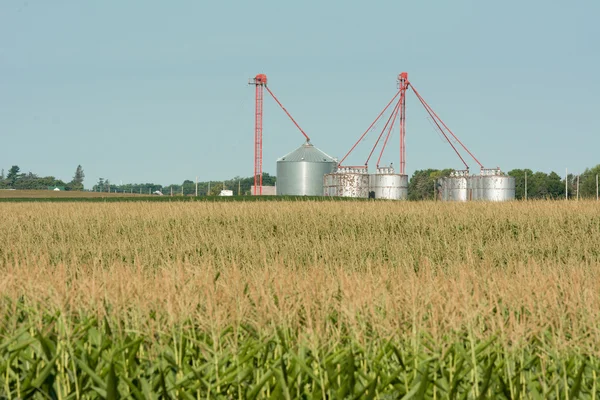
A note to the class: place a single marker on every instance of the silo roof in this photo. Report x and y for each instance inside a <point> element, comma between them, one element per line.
<point>307,153</point>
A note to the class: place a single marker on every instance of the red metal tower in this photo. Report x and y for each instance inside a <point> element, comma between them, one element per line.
<point>403,86</point>
<point>399,113</point>
<point>260,81</point>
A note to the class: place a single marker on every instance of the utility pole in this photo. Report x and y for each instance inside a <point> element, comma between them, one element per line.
<point>525,185</point>
<point>171,191</point>
<point>577,187</point>
<point>240,186</point>
<point>182,189</point>
<point>566,184</point>
<point>208,192</point>
<point>196,186</point>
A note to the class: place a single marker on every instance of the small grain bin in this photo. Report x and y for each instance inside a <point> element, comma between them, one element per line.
<point>491,185</point>
<point>386,184</point>
<point>455,186</point>
<point>347,182</point>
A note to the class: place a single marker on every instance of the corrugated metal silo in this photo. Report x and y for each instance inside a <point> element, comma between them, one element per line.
<point>347,182</point>
<point>300,173</point>
<point>455,187</point>
<point>491,185</point>
<point>386,184</point>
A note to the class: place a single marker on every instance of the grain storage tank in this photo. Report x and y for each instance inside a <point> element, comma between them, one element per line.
<point>347,182</point>
<point>491,185</point>
<point>455,186</point>
<point>300,173</point>
<point>385,184</point>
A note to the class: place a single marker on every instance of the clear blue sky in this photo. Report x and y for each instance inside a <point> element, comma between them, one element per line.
<point>157,90</point>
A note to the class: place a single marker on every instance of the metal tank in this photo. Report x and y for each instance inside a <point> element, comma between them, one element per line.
<point>300,173</point>
<point>454,187</point>
<point>347,182</point>
<point>491,185</point>
<point>386,184</point>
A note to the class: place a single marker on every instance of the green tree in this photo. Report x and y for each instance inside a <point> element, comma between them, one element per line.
<point>99,187</point>
<point>556,187</point>
<point>215,189</point>
<point>539,185</point>
<point>421,185</point>
<point>587,182</point>
<point>13,174</point>
<point>77,182</point>
<point>189,187</point>
<point>268,180</point>
<point>519,175</point>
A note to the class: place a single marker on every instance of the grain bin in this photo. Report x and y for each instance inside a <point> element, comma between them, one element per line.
<point>385,184</point>
<point>491,185</point>
<point>455,186</point>
<point>300,173</point>
<point>347,182</point>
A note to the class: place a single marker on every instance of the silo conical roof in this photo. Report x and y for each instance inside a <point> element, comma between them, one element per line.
<point>307,153</point>
<point>301,172</point>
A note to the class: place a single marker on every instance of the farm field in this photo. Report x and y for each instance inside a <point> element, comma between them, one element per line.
<point>41,194</point>
<point>305,299</point>
<point>36,196</point>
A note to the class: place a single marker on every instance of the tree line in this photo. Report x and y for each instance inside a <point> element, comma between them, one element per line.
<point>238,185</point>
<point>540,185</point>
<point>15,179</point>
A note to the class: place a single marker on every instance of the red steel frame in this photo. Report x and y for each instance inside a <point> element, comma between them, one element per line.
<point>260,81</point>
<point>399,113</point>
<point>403,84</point>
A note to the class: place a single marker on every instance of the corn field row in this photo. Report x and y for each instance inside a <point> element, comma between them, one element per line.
<point>90,361</point>
<point>299,300</point>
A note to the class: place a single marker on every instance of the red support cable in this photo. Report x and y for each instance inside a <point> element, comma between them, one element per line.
<point>443,133</point>
<point>288,114</point>
<point>260,81</point>
<point>387,137</point>
<point>427,107</point>
<point>368,129</point>
<point>394,111</point>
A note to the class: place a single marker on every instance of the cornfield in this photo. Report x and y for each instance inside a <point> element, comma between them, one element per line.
<point>302,299</point>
